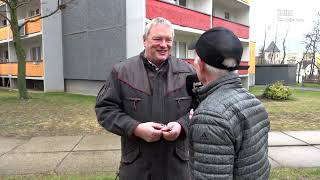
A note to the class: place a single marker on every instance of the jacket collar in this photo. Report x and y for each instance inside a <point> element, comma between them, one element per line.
<point>230,80</point>
<point>135,75</point>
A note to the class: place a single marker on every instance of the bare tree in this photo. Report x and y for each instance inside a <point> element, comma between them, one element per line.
<point>315,36</point>
<point>274,47</point>
<point>300,63</point>
<point>262,49</point>
<point>284,45</point>
<point>13,8</point>
<point>312,41</point>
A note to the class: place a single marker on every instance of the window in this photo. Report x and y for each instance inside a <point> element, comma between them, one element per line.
<point>6,55</point>
<point>179,49</point>
<point>182,50</point>
<point>37,11</point>
<point>4,22</point>
<point>182,3</point>
<point>34,12</point>
<point>173,48</point>
<point>227,15</point>
<point>36,54</point>
<point>177,2</point>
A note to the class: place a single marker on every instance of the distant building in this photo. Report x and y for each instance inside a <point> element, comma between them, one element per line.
<point>272,54</point>
<point>291,58</point>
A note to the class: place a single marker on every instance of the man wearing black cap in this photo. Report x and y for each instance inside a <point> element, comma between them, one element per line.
<point>229,128</point>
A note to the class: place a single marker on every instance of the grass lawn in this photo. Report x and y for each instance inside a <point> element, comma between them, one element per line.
<point>311,85</point>
<point>295,173</point>
<point>47,114</point>
<point>80,176</point>
<point>58,114</point>
<point>276,174</point>
<point>301,112</point>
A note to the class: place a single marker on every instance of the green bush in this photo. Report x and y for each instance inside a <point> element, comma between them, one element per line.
<point>277,91</point>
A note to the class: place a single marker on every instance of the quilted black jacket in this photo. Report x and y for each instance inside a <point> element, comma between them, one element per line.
<point>228,133</point>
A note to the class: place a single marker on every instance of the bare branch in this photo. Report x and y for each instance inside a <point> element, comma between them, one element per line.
<point>284,45</point>
<point>21,4</point>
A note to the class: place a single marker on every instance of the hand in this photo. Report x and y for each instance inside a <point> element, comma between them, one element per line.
<point>148,131</point>
<point>171,131</point>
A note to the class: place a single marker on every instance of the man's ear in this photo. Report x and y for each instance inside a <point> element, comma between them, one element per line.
<point>201,65</point>
<point>144,43</point>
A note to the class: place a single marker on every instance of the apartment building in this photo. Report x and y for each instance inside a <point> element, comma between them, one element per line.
<point>74,50</point>
<point>42,41</point>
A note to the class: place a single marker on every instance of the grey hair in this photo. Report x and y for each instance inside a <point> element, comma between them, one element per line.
<point>229,62</point>
<point>155,21</point>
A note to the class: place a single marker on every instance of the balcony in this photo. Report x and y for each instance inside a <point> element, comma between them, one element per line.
<point>242,31</point>
<point>33,69</point>
<point>189,18</point>
<point>177,15</point>
<point>30,28</point>
<point>33,27</point>
<point>4,32</point>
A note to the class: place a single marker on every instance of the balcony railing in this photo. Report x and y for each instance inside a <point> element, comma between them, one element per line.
<point>33,69</point>
<point>239,30</point>
<point>190,18</point>
<point>4,33</point>
<point>33,27</point>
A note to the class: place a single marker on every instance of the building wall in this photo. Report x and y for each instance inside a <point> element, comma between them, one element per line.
<point>135,19</point>
<point>201,6</point>
<point>52,48</point>
<point>94,37</point>
<point>83,86</point>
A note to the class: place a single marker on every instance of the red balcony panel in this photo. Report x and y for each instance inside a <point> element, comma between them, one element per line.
<point>243,66</point>
<point>190,18</point>
<point>239,30</point>
<point>177,15</point>
<point>245,71</point>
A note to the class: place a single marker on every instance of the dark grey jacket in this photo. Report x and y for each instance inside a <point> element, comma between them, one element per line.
<point>229,133</point>
<point>127,100</point>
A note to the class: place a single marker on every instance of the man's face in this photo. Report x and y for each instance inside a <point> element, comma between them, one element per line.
<point>158,43</point>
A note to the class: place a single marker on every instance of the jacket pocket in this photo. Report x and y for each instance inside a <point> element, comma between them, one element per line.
<point>131,103</point>
<point>130,154</point>
<point>182,154</point>
<point>181,150</point>
<point>183,104</point>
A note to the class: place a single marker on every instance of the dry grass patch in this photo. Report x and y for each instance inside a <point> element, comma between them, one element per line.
<point>47,114</point>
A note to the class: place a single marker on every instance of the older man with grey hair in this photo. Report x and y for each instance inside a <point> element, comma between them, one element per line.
<point>145,101</point>
<point>228,132</point>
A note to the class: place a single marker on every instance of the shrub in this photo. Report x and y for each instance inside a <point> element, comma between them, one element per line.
<point>277,91</point>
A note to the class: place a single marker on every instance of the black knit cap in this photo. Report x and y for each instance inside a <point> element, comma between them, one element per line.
<point>217,44</point>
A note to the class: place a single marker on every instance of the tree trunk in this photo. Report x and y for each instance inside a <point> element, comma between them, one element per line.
<point>20,52</point>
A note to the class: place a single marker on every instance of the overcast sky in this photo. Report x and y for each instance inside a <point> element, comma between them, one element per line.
<point>263,13</point>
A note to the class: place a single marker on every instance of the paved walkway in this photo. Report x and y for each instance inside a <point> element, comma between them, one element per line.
<point>102,152</point>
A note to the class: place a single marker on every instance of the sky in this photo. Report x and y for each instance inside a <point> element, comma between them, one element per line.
<point>263,13</point>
